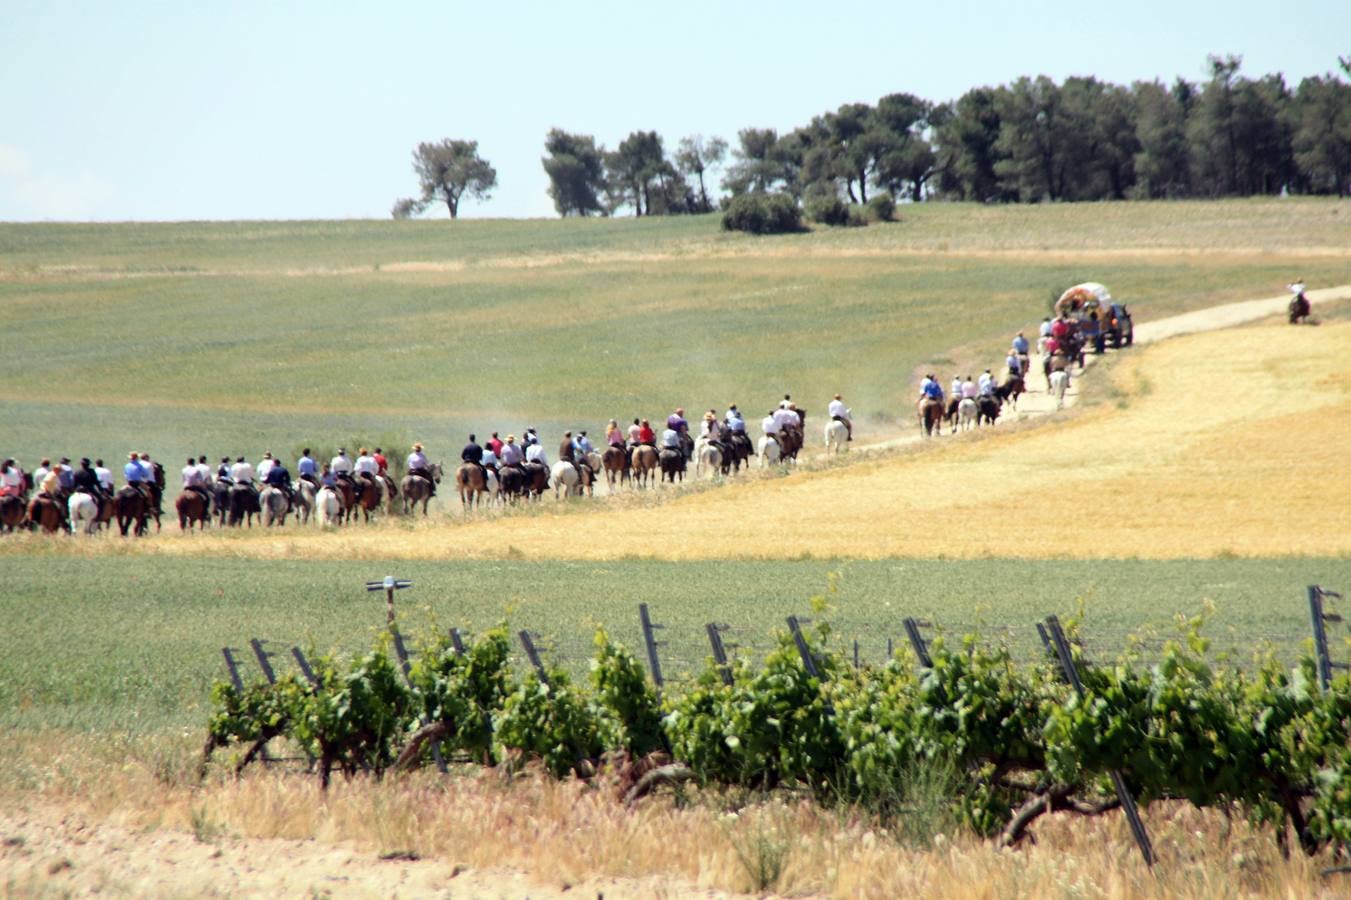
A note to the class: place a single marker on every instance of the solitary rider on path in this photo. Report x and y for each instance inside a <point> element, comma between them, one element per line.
<point>840,413</point>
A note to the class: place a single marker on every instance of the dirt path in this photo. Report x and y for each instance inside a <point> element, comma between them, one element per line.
<point>54,853</point>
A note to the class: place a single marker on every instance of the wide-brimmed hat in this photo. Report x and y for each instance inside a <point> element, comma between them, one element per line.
<point>417,446</point>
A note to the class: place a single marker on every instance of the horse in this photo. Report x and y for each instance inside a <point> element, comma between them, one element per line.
<point>273,505</point>
<point>515,481</point>
<point>130,506</point>
<point>565,478</point>
<point>12,512</point>
<point>987,409</point>
<point>966,414</point>
<point>837,436</point>
<point>192,508</point>
<point>930,412</point>
<point>370,499</point>
<point>417,489</point>
<point>48,513</point>
<point>84,512</point>
<point>243,505</point>
<point>644,463</point>
<point>220,501</point>
<point>328,507</point>
<point>769,451</point>
<point>739,451</point>
<point>1299,310</point>
<point>790,442</point>
<point>347,493</point>
<point>707,454</point>
<point>391,493</point>
<point>614,462</point>
<point>1060,381</point>
<point>536,479</point>
<point>672,463</point>
<point>1010,390</point>
<point>302,500</point>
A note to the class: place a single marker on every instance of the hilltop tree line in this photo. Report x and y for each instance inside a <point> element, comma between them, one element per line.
<point>1032,140</point>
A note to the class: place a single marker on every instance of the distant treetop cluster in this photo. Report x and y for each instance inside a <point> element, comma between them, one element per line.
<point>1029,141</point>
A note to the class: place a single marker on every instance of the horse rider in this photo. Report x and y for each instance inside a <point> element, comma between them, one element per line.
<point>633,432</point>
<point>787,417</point>
<point>341,467</point>
<point>66,475</point>
<point>676,422</point>
<point>223,471</point>
<point>365,469</point>
<point>986,384</point>
<point>193,481</point>
<point>840,413</point>
<point>279,478</point>
<point>786,402</point>
<point>41,471</point>
<point>242,474</point>
<point>931,389</point>
<point>646,435</point>
<point>307,469</point>
<point>511,454</point>
<point>567,449</point>
<point>205,469</point>
<point>264,466</point>
<point>472,453</point>
<point>1060,328</point>
<point>735,421</point>
<point>670,440</point>
<point>490,462</point>
<point>1020,344</point>
<point>105,477</point>
<point>530,438</point>
<point>709,428</point>
<point>86,480</point>
<point>134,473</point>
<point>11,479</point>
<point>381,463</point>
<point>582,444</point>
<point>495,444</point>
<point>614,437</point>
<point>327,478</point>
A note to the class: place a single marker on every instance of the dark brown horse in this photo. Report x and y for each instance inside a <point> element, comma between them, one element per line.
<point>536,479</point>
<point>369,501</point>
<point>930,411</point>
<point>192,509</point>
<point>130,506</point>
<point>672,464</point>
<point>1010,390</point>
<point>987,409</point>
<point>48,513</point>
<point>12,512</point>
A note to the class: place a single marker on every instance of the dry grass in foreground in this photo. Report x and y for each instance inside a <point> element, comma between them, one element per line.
<point>476,834</point>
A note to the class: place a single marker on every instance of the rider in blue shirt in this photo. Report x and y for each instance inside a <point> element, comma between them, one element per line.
<point>307,468</point>
<point>933,390</point>
<point>133,471</point>
<point>1020,343</point>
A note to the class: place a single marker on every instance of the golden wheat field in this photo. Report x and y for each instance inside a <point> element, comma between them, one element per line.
<point>1214,444</point>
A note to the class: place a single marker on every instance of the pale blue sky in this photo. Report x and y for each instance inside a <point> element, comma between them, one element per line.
<point>148,111</point>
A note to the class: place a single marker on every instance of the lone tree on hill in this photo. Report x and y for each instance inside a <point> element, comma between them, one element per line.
<point>447,171</point>
<point>576,169</point>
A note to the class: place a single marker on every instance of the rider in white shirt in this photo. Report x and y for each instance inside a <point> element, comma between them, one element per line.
<point>104,475</point>
<point>986,383</point>
<point>242,472</point>
<point>265,465</point>
<point>709,428</point>
<point>535,453</point>
<point>366,465</point>
<point>340,464</point>
<point>205,470</point>
<point>417,459</point>
<point>769,425</point>
<point>838,410</point>
<point>670,439</point>
<point>969,388</point>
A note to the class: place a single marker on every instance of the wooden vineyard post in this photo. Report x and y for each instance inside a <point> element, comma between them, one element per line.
<point>533,655</point>
<point>1071,672</point>
<point>457,641</point>
<point>719,652</point>
<point>401,649</point>
<point>389,584</point>
<point>264,662</point>
<point>649,639</point>
<point>917,643</point>
<point>808,660</point>
<point>1320,617</point>
<point>304,665</point>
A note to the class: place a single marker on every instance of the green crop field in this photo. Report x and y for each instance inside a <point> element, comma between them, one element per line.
<point>239,337</point>
<point>117,644</point>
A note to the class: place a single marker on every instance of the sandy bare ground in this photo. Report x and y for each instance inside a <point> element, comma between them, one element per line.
<point>52,852</point>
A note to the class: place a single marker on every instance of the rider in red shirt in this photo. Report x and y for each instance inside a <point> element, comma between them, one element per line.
<point>380,461</point>
<point>646,435</point>
<point>1060,329</point>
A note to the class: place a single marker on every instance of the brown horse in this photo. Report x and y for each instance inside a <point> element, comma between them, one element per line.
<point>644,464</point>
<point>672,464</point>
<point>790,442</point>
<point>469,483</point>
<point>1010,390</point>
<point>12,512</point>
<point>391,494</point>
<point>930,412</point>
<point>130,507</point>
<point>347,493</point>
<point>369,501</point>
<point>536,479</point>
<point>192,509</point>
<point>616,463</point>
<point>48,513</point>
<point>417,489</point>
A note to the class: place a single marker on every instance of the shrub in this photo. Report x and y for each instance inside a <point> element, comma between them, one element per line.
<point>828,209</point>
<point>762,213</point>
<point>882,208</point>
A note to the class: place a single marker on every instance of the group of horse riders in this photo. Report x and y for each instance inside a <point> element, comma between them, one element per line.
<point>56,483</point>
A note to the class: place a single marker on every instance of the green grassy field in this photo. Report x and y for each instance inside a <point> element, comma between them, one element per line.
<point>239,337</point>
<point>132,645</point>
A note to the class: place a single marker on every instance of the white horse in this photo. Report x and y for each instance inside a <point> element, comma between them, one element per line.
<point>274,506</point>
<point>967,411</point>
<point>328,507</point>
<point>1060,382</point>
<point>768,451</point>
<point>837,436</point>
<point>564,475</point>
<point>303,504</point>
<point>705,454</point>
<point>83,509</point>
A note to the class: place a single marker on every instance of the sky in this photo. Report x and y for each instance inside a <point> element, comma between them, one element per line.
<point>269,110</point>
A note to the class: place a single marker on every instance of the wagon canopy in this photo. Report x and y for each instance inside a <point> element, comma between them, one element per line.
<point>1083,296</point>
